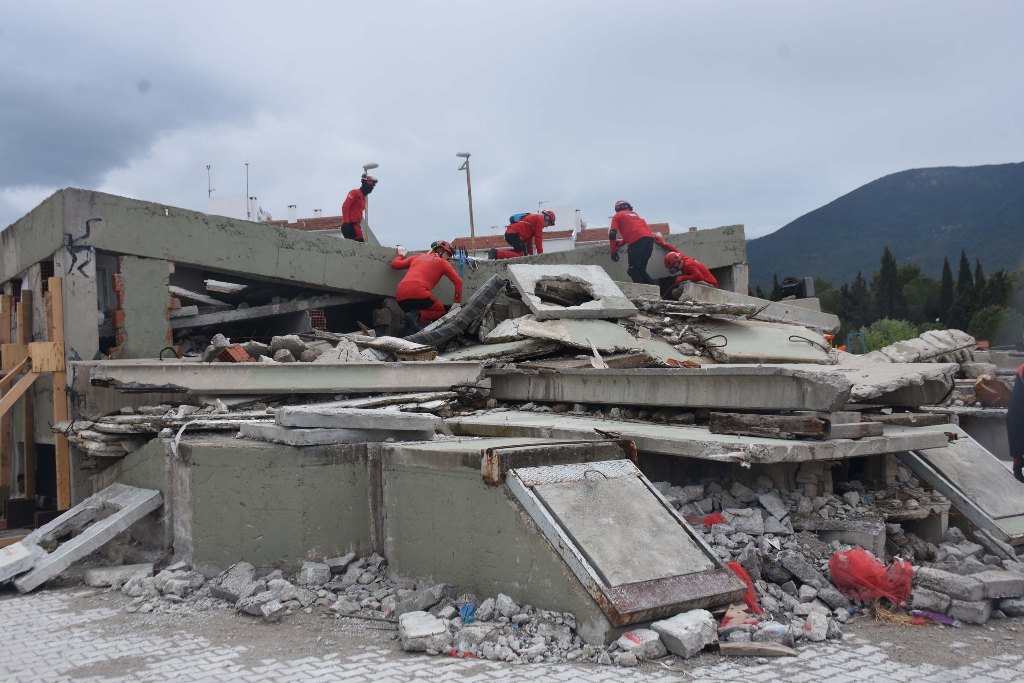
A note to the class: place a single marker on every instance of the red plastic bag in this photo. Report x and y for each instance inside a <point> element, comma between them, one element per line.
<point>707,521</point>
<point>750,598</point>
<point>859,575</point>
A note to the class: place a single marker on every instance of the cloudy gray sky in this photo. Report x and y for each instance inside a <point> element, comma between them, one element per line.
<point>700,113</point>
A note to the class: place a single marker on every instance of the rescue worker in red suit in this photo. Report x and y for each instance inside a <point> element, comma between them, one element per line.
<point>684,268</point>
<point>1015,425</point>
<point>415,291</point>
<point>353,208</point>
<point>629,229</point>
<point>524,234</point>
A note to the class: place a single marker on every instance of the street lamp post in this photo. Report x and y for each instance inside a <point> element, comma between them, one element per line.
<point>469,192</point>
<point>367,168</point>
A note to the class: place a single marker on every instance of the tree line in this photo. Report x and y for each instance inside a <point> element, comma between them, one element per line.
<point>900,302</point>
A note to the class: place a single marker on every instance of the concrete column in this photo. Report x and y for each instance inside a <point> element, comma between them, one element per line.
<point>81,322</point>
<point>143,326</point>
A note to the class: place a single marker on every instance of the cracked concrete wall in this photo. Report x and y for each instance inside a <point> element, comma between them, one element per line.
<point>145,328</point>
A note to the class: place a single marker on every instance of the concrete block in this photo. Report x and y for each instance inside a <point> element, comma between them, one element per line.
<point>421,632</point>
<point>932,601</point>
<point>746,520</point>
<point>774,505</point>
<point>314,574</point>
<point>422,601</point>
<point>318,437</point>
<point>18,558</point>
<point>798,565</point>
<point>688,633</point>
<point>254,603</point>
<point>816,627</point>
<point>284,590</point>
<point>963,588</point>
<point>606,337</point>
<point>128,505</point>
<point>606,300</point>
<point>101,577</point>
<point>332,416</point>
<point>272,611</point>
<point>1012,607</point>
<point>999,583</point>
<point>972,612</point>
<point>237,583</point>
<point>643,642</point>
<point>339,564</point>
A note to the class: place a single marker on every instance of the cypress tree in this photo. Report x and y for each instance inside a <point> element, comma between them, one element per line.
<point>980,287</point>
<point>946,291</point>
<point>964,279</point>
<point>889,294</point>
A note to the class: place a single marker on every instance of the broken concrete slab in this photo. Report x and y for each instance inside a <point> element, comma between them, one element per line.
<point>958,587</point>
<point>896,384</point>
<point>18,558</point>
<point>125,505</point>
<point>266,311</point>
<point>606,300</point>
<point>637,290</point>
<point>506,331</point>
<point>420,632</point>
<point>606,337</point>
<point>771,311</point>
<point>720,386</point>
<point>182,293</point>
<point>1001,583</point>
<point>332,416</point>
<point>753,341</point>
<point>319,437</point>
<point>666,353</point>
<point>101,577</point>
<point>689,441</point>
<point>932,346</point>
<point>508,351</point>
<point>220,379</point>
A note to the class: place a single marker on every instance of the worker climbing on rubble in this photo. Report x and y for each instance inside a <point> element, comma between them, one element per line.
<point>629,229</point>
<point>684,269</point>
<point>1015,425</point>
<point>415,291</point>
<point>353,208</point>
<point>524,231</point>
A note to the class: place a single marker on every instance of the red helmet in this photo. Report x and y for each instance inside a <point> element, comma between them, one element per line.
<point>549,216</point>
<point>368,179</point>
<point>443,245</point>
<point>673,260</point>
<point>623,205</point>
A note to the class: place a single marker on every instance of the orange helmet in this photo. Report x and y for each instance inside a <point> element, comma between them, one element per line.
<point>549,216</point>
<point>673,261</point>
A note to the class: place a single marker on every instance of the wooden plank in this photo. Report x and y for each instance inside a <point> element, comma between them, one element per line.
<point>28,406</point>
<point>9,377</point>
<point>17,390</point>
<point>55,311</point>
<point>6,431</point>
<point>47,356</point>
<point>10,540</point>
<point>774,426</point>
<point>13,355</point>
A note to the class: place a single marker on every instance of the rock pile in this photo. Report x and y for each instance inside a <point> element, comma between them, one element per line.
<point>290,348</point>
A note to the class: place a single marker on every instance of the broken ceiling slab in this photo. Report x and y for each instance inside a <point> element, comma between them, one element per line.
<point>771,311</point>
<point>395,399</point>
<point>580,292</point>
<point>182,293</point>
<point>284,378</point>
<point>507,351</point>
<point>219,287</point>
<point>619,361</point>
<point>754,341</point>
<point>691,441</point>
<point>694,308</point>
<point>506,331</point>
<point>606,336</point>
<point>18,558</point>
<point>256,312</point>
<point>894,384</point>
<point>321,437</point>
<point>333,416</point>
<point>745,387</point>
<point>666,353</point>
<point>638,290</point>
<point>99,518</point>
<point>931,346</point>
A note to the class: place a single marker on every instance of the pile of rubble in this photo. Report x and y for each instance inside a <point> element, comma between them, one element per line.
<point>323,348</point>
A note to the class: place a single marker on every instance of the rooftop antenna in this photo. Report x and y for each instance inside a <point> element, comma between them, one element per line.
<point>248,207</point>
<point>209,187</point>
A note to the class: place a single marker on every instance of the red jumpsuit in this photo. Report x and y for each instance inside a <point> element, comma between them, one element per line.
<point>690,269</point>
<point>527,232</point>
<point>352,212</point>
<point>628,227</point>
<point>416,288</point>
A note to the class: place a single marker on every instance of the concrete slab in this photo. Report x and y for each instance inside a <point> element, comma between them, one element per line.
<point>333,416</point>
<point>320,437</point>
<point>904,384</point>
<point>285,378</point>
<point>691,441</point>
<point>625,532</point>
<point>125,505</point>
<point>754,341</point>
<point>929,346</point>
<point>719,386</point>
<point>18,558</point>
<point>665,352</point>
<point>608,300</point>
<point>797,313</point>
<point>256,312</point>
<point>510,351</point>
<point>607,337</point>
<point>636,290</point>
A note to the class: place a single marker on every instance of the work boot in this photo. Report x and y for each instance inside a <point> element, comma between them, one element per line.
<point>492,254</point>
<point>409,324</point>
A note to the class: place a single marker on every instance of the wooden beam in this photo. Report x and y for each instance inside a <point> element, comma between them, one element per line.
<point>773,426</point>
<point>17,390</point>
<point>6,433</point>
<point>55,309</point>
<point>28,406</point>
<point>15,371</point>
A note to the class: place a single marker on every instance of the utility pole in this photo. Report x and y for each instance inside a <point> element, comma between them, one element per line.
<point>366,169</point>
<point>248,205</point>
<point>469,192</point>
<point>209,186</point>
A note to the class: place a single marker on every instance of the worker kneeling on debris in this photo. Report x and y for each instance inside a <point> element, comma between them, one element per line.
<point>684,268</point>
<point>415,291</point>
<point>525,230</point>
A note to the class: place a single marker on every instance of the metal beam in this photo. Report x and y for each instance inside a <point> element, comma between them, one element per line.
<point>220,379</point>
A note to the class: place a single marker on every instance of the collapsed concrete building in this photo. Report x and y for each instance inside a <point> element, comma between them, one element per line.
<point>565,439</point>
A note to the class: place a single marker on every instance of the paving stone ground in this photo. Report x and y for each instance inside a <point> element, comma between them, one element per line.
<point>85,635</point>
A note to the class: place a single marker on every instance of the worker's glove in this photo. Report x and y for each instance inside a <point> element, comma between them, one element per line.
<point>402,251</point>
<point>615,256</point>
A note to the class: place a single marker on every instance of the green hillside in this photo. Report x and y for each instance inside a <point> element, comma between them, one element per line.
<point>922,215</point>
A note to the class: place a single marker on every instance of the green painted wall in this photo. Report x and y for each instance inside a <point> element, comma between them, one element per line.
<point>145,306</point>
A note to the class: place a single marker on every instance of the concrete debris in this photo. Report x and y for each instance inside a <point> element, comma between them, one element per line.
<point>115,577</point>
<point>606,337</point>
<point>688,633</point>
<point>293,436</point>
<point>422,632</point>
<point>333,416</point>
<point>934,346</point>
<point>559,292</point>
<point>643,643</point>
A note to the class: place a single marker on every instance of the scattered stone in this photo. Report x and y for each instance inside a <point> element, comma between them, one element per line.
<point>688,633</point>
<point>505,605</point>
<point>999,583</point>
<point>972,612</point>
<point>272,611</point>
<point>283,356</point>
<point>1012,607</point>
<point>797,565</point>
<point>313,573</point>
<point>626,659</point>
<point>338,565</point>
<point>101,577</point>
<point>237,583</point>
<point>422,632</point>
<point>254,603</point>
<point>964,588</point>
<point>643,642</point>
<point>485,612</point>
<point>774,505</point>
